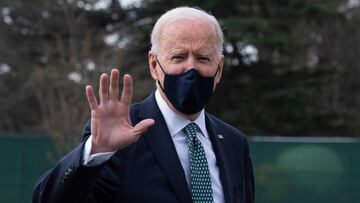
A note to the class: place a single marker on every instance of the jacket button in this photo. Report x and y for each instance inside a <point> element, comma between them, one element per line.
<point>66,175</point>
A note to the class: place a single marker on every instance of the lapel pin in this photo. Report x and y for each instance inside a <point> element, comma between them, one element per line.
<point>220,136</point>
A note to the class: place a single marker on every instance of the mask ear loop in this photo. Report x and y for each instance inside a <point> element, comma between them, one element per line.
<point>216,73</point>
<point>160,64</point>
<point>162,71</point>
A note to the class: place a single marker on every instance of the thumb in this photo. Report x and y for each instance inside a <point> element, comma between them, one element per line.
<point>142,126</point>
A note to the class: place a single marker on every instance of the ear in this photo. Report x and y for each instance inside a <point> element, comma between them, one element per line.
<point>220,70</point>
<point>152,65</point>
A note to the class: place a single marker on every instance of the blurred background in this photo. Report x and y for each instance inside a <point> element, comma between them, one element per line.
<point>290,83</point>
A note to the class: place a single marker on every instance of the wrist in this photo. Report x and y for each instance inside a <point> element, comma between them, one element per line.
<point>97,148</point>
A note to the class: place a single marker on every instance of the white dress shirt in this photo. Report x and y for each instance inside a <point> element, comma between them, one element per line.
<point>175,124</point>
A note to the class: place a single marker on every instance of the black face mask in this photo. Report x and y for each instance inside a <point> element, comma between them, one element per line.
<point>188,92</point>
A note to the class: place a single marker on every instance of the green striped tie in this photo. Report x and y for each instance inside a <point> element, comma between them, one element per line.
<point>201,191</point>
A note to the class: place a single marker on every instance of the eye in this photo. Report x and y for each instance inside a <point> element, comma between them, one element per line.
<point>177,57</point>
<point>203,58</point>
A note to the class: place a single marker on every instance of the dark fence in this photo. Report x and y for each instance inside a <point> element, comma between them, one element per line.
<point>23,159</point>
<point>291,170</point>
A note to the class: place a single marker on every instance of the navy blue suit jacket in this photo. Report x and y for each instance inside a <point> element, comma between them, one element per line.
<point>148,170</point>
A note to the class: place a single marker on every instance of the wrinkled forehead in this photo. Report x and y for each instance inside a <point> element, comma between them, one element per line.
<point>186,33</point>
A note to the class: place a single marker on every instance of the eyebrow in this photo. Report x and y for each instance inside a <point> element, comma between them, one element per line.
<point>201,53</point>
<point>204,52</point>
<point>177,50</point>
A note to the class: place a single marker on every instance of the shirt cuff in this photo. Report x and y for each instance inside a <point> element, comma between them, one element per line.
<point>94,159</point>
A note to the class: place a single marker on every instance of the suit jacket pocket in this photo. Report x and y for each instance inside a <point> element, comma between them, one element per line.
<point>239,196</point>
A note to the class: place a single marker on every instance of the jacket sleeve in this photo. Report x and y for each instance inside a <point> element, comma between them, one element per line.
<point>69,181</point>
<point>249,177</point>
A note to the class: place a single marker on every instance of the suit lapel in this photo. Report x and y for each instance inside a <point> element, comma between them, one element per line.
<point>162,146</point>
<point>219,149</point>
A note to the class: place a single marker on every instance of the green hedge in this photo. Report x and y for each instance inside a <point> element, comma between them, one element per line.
<point>287,170</point>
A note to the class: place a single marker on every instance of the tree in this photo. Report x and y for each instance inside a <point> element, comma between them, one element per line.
<point>290,66</point>
<point>62,47</point>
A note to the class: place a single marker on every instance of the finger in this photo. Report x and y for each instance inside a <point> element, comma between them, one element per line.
<point>126,94</point>
<point>91,97</point>
<point>104,88</point>
<point>142,127</point>
<point>114,85</point>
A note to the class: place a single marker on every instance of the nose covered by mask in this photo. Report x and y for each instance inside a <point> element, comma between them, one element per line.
<point>188,92</point>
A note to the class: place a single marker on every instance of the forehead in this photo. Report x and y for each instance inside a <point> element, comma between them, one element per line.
<point>188,35</point>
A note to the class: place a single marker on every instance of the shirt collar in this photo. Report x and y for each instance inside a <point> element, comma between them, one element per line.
<point>176,122</point>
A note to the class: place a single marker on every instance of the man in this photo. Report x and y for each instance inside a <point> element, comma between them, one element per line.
<point>166,148</point>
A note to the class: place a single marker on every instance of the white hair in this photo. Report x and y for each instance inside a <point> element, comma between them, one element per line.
<point>185,13</point>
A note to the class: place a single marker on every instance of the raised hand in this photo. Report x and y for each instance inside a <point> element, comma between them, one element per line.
<point>111,127</point>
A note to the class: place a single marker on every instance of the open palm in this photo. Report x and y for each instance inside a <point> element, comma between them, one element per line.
<point>111,127</point>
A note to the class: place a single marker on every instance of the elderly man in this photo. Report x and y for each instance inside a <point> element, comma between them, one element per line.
<point>166,148</point>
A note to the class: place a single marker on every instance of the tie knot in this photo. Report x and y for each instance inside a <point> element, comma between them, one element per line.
<point>190,129</point>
